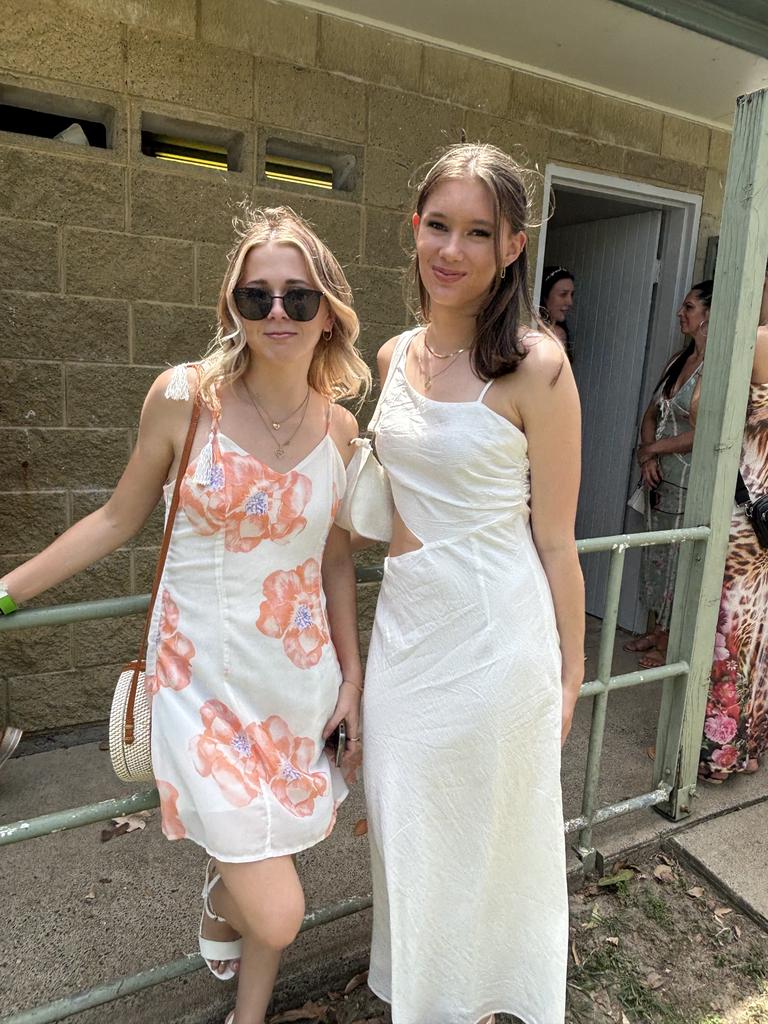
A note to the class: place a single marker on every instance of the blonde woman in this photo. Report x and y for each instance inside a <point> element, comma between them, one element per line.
<point>253,657</point>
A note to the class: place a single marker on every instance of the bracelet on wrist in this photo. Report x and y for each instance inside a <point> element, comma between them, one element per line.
<point>348,682</point>
<point>7,604</point>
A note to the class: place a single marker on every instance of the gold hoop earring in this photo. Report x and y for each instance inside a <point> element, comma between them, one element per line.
<point>327,333</point>
<point>503,273</point>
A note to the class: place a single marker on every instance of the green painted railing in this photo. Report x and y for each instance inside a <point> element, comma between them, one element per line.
<point>598,688</point>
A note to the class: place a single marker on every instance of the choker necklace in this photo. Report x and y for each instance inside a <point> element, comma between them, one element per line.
<point>442,355</point>
<point>430,377</point>
<point>269,424</point>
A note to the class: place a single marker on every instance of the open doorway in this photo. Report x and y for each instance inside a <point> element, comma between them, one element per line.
<point>630,247</point>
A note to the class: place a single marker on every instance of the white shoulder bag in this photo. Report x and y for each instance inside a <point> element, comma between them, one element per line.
<point>367,506</point>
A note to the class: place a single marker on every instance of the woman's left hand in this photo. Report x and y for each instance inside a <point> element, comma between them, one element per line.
<point>645,452</point>
<point>348,710</point>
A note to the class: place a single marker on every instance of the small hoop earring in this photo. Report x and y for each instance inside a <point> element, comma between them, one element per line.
<point>328,333</point>
<point>705,325</point>
<point>503,273</point>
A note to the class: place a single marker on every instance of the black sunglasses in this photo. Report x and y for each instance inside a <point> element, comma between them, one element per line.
<point>299,304</point>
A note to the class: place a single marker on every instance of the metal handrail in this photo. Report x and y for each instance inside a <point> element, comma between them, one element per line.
<point>599,688</point>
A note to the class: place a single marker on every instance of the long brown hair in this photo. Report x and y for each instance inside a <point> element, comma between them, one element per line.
<point>703,291</point>
<point>497,346</point>
<point>337,369</point>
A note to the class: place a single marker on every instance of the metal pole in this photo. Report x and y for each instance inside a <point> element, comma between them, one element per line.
<point>75,817</point>
<point>585,849</point>
<point>65,1007</point>
<point>725,384</point>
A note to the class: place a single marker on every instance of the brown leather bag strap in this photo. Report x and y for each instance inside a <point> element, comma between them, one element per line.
<point>138,665</point>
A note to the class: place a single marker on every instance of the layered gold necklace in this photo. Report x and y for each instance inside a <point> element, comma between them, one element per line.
<point>429,376</point>
<point>273,425</point>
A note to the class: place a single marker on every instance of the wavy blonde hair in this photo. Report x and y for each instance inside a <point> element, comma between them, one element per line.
<point>337,370</point>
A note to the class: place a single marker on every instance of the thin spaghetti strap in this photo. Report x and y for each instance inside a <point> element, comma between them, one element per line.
<point>328,416</point>
<point>484,392</point>
<point>401,347</point>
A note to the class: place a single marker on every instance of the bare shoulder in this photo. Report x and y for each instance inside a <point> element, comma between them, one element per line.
<point>343,430</point>
<point>170,396</point>
<point>542,369</point>
<point>384,355</point>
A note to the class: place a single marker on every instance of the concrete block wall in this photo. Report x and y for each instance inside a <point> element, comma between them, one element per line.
<point>110,261</point>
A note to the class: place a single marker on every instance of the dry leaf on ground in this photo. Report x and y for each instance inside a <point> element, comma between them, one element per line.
<point>627,875</point>
<point>121,826</point>
<point>722,911</point>
<point>356,982</point>
<point>133,821</point>
<point>612,939</point>
<point>361,827</point>
<point>654,980</point>
<point>663,873</point>
<point>695,893</point>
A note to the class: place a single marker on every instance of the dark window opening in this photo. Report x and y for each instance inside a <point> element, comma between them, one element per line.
<point>184,151</point>
<point>191,143</point>
<point>301,164</point>
<point>44,125</point>
<point>300,172</point>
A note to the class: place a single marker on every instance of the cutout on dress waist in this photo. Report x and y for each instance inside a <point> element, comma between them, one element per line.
<point>408,536</point>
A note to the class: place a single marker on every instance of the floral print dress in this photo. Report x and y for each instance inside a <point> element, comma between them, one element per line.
<point>736,724</point>
<point>240,665</point>
<point>666,503</point>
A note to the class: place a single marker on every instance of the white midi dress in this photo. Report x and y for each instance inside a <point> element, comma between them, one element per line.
<point>240,664</point>
<point>462,728</point>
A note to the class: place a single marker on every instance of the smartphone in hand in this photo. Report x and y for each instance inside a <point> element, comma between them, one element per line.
<point>338,742</point>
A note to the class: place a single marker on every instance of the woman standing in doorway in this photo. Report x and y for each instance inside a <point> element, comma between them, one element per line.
<point>555,303</point>
<point>664,454</point>
<point>476,658</point>
<point>253,656</point>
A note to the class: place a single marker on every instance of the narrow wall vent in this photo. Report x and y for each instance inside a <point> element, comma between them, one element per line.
<point>300,164</point>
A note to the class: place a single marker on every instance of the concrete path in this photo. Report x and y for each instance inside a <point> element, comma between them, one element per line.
<point>731,851</point>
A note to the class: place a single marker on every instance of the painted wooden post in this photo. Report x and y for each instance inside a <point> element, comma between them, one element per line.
<point>725,383</point>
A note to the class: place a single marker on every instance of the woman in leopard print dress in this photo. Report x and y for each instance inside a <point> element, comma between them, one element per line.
<point>736,725</point>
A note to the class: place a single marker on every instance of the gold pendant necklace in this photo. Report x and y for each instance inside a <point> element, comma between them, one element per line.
<point>429,377</point>
<point>275,424</point>
<point>280,445</point>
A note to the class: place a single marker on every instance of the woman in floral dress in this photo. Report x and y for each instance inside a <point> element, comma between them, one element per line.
<point>736,723</point>
<point>253,656</point>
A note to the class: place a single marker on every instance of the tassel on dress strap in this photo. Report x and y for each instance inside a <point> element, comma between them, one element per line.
<point>178,386</point>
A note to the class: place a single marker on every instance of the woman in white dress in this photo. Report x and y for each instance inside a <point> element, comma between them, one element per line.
<point>253,656</point>
<point>476,657</point>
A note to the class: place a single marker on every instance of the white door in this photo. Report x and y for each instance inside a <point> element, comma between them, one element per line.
<point>615,263</point>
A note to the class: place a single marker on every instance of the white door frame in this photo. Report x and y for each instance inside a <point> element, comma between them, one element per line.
<point>638,192</point>
<point>680,229</point>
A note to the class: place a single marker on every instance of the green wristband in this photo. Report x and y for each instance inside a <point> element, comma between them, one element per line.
<point>7,604</point>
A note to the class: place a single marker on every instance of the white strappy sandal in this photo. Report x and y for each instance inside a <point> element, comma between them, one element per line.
<point>213,949</point>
